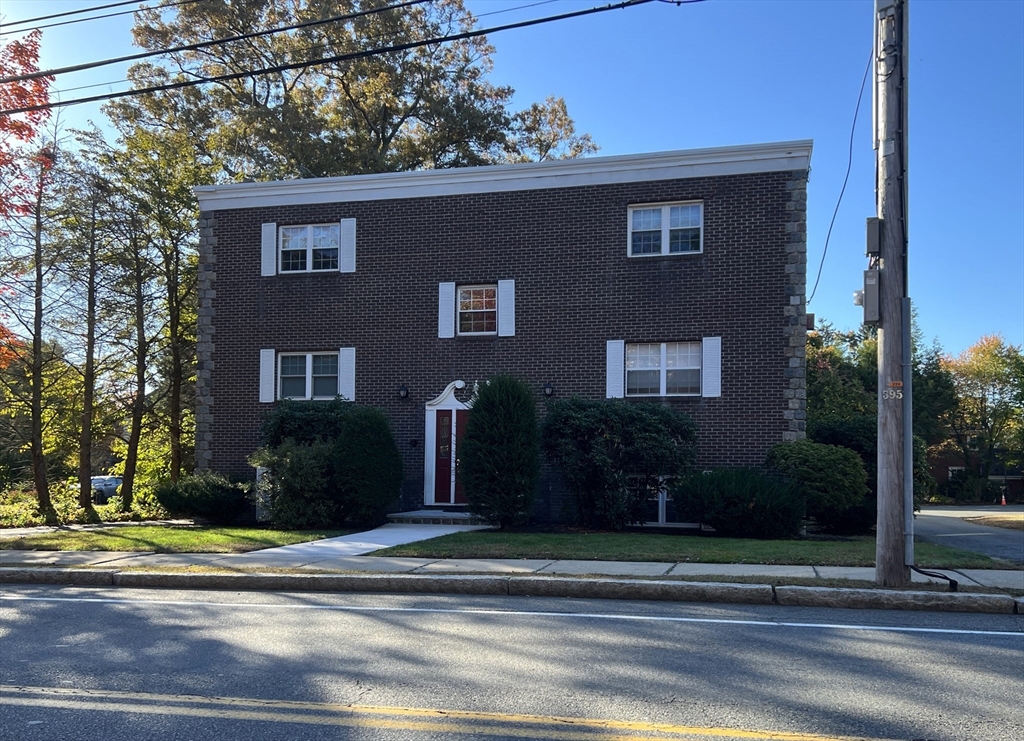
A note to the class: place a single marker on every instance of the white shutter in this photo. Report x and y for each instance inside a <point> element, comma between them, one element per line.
<point>268,250</point>
<point>347,263</point>
<point>506,308</point>
<point>615,387</point>
<point>268,362</point>
<point>347,373</point>
<point>711,367</point>
<point>446,310</point>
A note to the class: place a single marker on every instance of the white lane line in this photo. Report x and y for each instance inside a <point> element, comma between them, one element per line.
<point>519,613</point>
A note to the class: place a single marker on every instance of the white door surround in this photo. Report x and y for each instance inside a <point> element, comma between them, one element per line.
<point>445,401</point>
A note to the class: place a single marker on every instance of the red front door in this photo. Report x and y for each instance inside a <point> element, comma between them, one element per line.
<point>443,457</point>
<point>450,425</point>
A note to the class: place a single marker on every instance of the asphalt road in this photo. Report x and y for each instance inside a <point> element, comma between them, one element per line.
<point>124,665</point>
<point>944,526</point>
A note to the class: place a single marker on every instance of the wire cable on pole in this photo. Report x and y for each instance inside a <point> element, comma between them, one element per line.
<point>109,83</point>
<point>204,44</point>
<point>849,166</point>
<point>328,60</point>
<point>5,32</point>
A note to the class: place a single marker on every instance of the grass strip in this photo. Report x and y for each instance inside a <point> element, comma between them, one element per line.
<point>1012,521</point>
<point>678,548</point>
<point>167,539</point>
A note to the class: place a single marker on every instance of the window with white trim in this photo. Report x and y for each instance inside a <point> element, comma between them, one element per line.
<point>478,309</point>
<point>310,248</point>
<point>663,369</point>
<point>666,229</point>
<point>307,376</point>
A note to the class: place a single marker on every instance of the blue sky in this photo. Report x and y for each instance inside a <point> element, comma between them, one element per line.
<point>723,72</point>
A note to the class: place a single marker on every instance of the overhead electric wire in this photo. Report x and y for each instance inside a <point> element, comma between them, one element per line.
<point>849,166</point>
<point>110,83</point>
<point>329,60</point>
<point>5,32</point>
<point>27,21</point>
<point>204,44</point>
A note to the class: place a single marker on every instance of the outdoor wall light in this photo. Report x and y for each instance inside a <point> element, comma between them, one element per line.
<point>403,391</point>
<point>548,389</point>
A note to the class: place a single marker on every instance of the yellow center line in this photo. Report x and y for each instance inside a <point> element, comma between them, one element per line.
<point>239,708</point>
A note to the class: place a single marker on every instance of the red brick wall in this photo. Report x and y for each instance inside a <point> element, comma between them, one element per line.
<point>575,289</point>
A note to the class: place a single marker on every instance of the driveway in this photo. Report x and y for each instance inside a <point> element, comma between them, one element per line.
<point>945,526</point>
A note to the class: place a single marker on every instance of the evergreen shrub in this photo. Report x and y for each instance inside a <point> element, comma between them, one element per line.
<point>832,478</point>
<point>327,466</point>
<point>600,446</point>
<point>741,503</point>
<point>208,496</point>
<point>500,452</point>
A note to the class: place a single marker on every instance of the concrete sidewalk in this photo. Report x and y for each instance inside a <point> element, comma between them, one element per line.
<point>333,559</point>
<point>338,564</point>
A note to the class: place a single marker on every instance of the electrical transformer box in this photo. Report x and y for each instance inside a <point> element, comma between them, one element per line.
<point>871,297</point>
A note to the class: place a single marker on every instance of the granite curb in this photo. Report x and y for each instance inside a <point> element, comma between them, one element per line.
<point>535,586</point>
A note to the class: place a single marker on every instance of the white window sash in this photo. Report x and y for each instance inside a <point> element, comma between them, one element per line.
<point>343,226</point>
<point>665,227</point>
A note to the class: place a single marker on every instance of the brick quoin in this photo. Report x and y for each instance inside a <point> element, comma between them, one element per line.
<point>575,288</point>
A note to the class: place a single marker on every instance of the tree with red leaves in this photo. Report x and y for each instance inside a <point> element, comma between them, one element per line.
<point>19,57</point>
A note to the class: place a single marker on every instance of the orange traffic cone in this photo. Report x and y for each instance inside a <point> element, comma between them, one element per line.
<point>1004,500</point>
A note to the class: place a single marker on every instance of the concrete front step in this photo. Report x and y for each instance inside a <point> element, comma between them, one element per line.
<point>436,517</point>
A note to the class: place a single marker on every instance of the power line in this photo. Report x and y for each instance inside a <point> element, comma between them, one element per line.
<point>109,83</point>
<point>849,166</point>
<point>204,44</point>
<point>91,18</point>
<point>27,21</point>
<point>328,60</point>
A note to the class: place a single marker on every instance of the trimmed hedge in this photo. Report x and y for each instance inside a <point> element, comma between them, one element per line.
<point>500,452</point>
<point>209,496</point>
<point>741,503</point>
<point>600,446</point>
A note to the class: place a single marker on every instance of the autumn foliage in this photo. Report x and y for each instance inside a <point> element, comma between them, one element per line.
<point>18,57</point>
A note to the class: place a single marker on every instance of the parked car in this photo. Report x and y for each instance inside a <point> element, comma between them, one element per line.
<point>104,487</point>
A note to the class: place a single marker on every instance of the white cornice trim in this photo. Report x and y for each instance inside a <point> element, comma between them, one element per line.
<point>630,168</point>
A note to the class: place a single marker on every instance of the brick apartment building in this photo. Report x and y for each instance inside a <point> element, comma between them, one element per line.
<point>676,277</point>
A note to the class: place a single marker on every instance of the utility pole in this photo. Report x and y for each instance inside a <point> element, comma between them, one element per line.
<point>894,534</point>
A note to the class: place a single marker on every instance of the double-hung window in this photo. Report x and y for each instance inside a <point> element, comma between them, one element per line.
<point>308,376</point>
<point>663,369</point>
<point>309,248</point>
<point>666,229</point>
<point>478,309</point>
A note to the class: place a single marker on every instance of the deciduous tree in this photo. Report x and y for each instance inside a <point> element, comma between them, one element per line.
<point>987,411</point>
<point>426,107</point>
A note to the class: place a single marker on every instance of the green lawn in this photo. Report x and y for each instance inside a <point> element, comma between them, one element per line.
<point>166,539</point>
<point>588,546</point>
<point>856,551</point>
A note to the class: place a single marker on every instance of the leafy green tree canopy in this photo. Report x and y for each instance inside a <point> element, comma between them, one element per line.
<point>431,106</point>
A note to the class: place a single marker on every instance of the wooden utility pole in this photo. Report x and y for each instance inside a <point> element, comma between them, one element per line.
<point>894,534</point>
